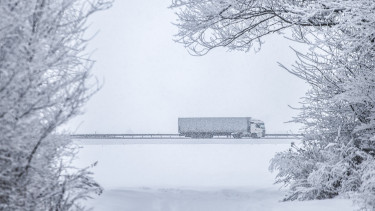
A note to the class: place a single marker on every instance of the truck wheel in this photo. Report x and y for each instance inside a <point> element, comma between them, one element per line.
<point>254,135</point>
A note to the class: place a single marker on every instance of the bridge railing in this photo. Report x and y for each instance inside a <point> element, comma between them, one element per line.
<point>169,136</point>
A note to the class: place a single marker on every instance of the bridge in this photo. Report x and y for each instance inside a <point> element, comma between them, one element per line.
<point>174,136</point>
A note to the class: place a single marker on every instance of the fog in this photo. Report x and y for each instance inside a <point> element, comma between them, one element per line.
<point>149,80</point>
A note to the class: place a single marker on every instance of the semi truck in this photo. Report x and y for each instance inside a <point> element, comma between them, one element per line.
<point>207,127</point>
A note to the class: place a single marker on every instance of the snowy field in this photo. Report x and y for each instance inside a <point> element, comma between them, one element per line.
<point>190,175</point>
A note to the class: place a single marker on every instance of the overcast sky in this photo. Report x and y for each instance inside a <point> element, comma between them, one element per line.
<point>149,80</point>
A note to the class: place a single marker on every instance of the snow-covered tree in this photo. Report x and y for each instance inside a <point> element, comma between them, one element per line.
<point>44,80</point>
<point>337,152</point>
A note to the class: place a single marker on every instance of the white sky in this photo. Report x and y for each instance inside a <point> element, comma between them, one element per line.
<point>150,81</point>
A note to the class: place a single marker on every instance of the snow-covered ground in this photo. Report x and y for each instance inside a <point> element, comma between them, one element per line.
<point>190,175</point>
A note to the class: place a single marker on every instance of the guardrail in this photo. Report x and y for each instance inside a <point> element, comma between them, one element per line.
<point>127,136</point>
<point>171,136</point>
<point>284,135</point>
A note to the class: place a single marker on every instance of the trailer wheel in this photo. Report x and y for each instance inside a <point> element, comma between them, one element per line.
<point>237,136</point>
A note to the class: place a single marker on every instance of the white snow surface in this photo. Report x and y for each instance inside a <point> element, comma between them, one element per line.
<point>190,175</point>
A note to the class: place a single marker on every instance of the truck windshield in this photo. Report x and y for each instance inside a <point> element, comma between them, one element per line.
<point>258,125</point>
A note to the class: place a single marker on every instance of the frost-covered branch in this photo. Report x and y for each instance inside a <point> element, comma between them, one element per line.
<point>238,25</point>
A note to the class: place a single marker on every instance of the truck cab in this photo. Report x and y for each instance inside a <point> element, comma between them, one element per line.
<point>257,129</point>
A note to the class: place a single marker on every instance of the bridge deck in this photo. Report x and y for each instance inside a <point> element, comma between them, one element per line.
<point>172,136</point>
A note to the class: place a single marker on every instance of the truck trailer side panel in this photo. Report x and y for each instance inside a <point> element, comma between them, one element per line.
<point>213,125</point>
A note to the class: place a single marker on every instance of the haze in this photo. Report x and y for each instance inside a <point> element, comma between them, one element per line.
<point>149,80</point>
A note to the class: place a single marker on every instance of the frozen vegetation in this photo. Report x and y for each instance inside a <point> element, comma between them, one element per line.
<point>44,80</point>
<point>191,175</point>
<point>337,155</point>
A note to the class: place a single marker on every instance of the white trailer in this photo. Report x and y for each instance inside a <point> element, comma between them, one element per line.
<point>207,127</point>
